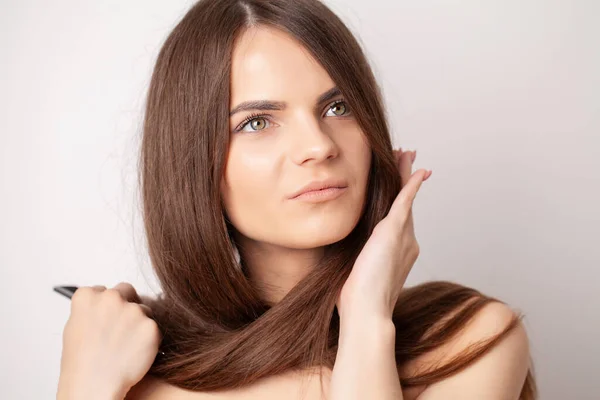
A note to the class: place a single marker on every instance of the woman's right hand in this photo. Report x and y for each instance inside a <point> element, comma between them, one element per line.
<point>380,270</point>
<point>109,343</point>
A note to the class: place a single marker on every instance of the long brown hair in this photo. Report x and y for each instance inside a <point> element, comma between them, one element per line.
<point>218,332</point>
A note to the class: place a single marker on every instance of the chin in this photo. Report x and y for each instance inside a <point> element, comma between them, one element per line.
<point>323,233</point>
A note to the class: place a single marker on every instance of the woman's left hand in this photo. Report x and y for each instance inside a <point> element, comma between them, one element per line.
<point>381,269</point>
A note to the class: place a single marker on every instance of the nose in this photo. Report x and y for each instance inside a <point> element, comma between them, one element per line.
<point>311,144</point>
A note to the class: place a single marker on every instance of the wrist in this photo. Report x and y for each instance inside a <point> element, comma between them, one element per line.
<point>360,309</point>
<point>69,391</point>
<point>353,304</point>
<point>366,326</point>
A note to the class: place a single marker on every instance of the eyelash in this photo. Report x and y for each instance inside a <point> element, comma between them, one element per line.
<point>254,116</point>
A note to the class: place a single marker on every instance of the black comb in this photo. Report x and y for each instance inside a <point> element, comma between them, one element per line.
<point>66,291</point>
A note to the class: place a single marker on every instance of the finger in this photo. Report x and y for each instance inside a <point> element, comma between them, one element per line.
<point>403,203</point>
<point>397,153</point>
<point>148,302</point>
<point>128,292</point>
<point>84,294</point>
<point>147,310</point>
<point>405,167</point>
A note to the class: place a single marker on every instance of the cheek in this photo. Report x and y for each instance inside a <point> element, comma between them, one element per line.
<point>248,194</point>
<point>251,169</point>
<point>358,152</point>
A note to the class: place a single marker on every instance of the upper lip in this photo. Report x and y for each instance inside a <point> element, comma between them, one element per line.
<point>318,185</point>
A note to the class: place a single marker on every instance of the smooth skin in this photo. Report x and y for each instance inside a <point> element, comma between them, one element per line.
<point>109,343</point>
<point>271,157</point>
<point>276,154</point>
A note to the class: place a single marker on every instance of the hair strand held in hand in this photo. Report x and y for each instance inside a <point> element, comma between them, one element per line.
<point>218,333</point>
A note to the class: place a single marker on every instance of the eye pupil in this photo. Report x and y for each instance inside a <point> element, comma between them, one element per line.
<point>254,123</point>
<point>340,105</point>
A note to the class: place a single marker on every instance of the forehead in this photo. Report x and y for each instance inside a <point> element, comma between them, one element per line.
<point>268,64</point>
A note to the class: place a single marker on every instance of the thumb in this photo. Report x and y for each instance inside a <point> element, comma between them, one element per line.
<point>402,205</point>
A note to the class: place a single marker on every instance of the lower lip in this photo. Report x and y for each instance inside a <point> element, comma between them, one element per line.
<point>316,196</point>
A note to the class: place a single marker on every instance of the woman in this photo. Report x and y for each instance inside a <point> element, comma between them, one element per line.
<point>251,103</point>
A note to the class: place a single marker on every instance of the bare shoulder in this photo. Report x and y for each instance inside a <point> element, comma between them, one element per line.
<point>152,388</point>
<point>148,388</point>
<point>305,384</point>
<point>504,367</point>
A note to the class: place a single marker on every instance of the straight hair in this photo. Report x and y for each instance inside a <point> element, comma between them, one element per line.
<point>218,333</point>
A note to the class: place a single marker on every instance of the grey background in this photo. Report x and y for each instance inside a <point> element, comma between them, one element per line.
<point>500,98</point>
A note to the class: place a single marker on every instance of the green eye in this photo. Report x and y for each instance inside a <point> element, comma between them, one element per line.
<point>256,126</point>
<point>253,121</point>
<point>339,105</point>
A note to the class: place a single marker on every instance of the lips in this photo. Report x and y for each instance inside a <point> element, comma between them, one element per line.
<point>320,185</point>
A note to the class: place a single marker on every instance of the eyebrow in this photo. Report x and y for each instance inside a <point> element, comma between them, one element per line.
<point>281,105</point>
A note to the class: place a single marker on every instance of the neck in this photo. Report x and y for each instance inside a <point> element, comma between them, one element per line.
<point>275,270</point>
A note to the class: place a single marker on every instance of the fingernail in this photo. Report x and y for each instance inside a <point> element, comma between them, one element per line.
<point>413,156</point>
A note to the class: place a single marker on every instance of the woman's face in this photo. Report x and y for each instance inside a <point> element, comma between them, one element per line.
<point>275,155</point>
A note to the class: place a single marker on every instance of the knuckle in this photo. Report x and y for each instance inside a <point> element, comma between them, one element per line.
<point>82,294</point>
<point>82,298</point>
<point>112,297</point>
<point>147,310</point>
<point>416,250</point>
<point>133,310</point>
<point>148,301</point>
<point>124,284</point>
